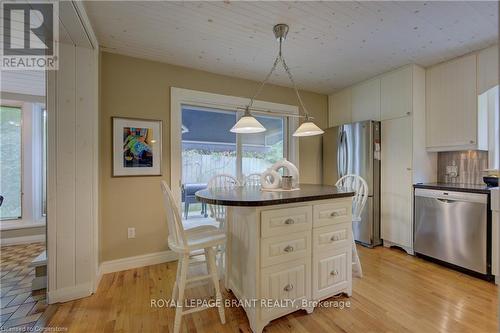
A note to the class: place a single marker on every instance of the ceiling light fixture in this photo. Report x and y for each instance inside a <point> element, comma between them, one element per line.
<point>248,124</point>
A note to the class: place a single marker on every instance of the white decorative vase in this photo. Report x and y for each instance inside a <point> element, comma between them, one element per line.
<point>290,168</point>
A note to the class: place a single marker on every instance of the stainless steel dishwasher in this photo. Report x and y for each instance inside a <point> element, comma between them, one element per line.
<point>452,227</point>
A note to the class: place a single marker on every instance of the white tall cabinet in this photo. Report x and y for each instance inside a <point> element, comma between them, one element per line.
<point>397,98</point>
<point>404,159</point>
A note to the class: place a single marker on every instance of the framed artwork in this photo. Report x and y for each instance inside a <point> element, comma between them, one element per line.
<point>136,147</point>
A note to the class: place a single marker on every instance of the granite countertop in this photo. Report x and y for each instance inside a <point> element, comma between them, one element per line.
<point>472,188</point>
<point>253,196</point>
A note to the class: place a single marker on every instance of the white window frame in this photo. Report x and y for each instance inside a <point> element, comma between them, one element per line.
<point>180,97</point>
<point>31,173</point>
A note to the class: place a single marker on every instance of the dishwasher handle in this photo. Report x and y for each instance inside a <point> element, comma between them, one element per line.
<point>446,200</point>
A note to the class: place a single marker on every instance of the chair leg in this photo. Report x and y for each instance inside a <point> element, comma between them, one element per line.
<point>356,263</point>
<point>175,291</point>
<point>212,268</point>
<point>186,209</point>
<point>211,287</point>
<point>181,286</point>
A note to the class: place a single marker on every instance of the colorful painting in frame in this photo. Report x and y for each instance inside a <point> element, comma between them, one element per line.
<point>136,147</point>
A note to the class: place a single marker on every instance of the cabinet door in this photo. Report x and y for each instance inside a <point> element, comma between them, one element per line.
<point>487,69</point>
<point>366,101</point>
<point>451,105</point>
<point>396,184</point>
<point>396,94</point>
<point>339,108</point>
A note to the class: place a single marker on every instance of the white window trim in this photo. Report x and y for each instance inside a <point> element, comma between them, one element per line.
<point>180,97</point>
<point>31,181</point>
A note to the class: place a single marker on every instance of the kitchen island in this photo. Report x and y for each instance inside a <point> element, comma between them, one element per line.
<point>285,250</point>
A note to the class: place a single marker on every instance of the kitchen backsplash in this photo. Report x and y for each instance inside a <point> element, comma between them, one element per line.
<point>470,165</point>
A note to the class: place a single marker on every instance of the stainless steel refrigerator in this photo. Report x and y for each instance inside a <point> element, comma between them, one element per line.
<point>355,149</point>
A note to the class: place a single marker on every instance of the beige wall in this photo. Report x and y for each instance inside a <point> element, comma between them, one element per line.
<point>132,87</point>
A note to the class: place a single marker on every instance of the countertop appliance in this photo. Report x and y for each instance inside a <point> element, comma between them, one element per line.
<point>454,227</point>
<point>355,149</point>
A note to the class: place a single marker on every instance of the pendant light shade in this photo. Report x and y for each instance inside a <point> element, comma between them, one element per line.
<point>308,128</point>
<point>247,124</point>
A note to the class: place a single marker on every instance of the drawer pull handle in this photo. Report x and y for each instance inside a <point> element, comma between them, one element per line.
<point>288,287</point>
<point>334,238</point>
<point>334,272</point>
<point>289,248</point>
<point>289,221</point>
<point>334,214</point>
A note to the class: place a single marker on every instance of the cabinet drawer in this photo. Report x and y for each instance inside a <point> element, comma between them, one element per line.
<point>279,249</point>
<point>331,273</point>
<point>284,221</point>
<point>331,213</point>
<point>290,281</point>
<point>332,237</point>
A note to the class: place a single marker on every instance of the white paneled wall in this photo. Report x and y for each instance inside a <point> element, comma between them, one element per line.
<point>72,107</point>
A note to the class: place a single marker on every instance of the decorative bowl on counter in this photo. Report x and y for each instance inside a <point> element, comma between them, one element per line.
<point>490,181</point>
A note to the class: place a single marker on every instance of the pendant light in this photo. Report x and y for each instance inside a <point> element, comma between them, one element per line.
<point>248,124</point>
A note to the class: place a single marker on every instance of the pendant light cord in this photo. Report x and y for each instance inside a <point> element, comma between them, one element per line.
<point>278,59</point>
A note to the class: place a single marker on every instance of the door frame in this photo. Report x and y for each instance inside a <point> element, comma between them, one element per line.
<point>180,97</point>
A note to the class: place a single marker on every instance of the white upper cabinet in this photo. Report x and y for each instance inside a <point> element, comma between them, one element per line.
<point>396,93</point>
<point>366,100</point>
<point>487,69</point>
<point>451,105</point>
<point>339,108</point>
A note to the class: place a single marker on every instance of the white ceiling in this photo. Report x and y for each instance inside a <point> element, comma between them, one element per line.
<point>330,45</point>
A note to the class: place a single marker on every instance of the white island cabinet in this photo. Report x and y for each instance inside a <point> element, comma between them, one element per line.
<point>285,250</point>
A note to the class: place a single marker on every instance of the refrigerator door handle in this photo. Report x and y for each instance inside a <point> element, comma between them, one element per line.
<point>346,154</point>
<point>339,147</point>
<point>340,154</point>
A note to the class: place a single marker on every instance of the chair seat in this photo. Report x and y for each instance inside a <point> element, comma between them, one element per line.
<point>201,237</point>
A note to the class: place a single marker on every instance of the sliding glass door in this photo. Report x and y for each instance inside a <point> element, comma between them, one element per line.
<point>208,148</point>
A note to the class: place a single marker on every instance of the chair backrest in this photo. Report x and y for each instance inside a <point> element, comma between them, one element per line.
<point>252,179</point>
<point>176,237</point>
<point>223,181</point>
<point>360,187</point>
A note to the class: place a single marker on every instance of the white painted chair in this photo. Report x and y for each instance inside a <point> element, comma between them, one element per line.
<point>252,179</point>
<point>223,181</point>
<point>360,187</point>
<point>185,242</point>
<point>217,212</point>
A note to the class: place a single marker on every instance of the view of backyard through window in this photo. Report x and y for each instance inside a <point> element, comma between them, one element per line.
<point>10,162</point>
<point>209,149</point>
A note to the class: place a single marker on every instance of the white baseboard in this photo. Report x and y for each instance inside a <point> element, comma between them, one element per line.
<point>69,293</point>
<point>134,262</point>
<point>497,280</point>
<point>22,240</point>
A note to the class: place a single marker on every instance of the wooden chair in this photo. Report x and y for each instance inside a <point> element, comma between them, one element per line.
<point>185,242</point>
<point>252,179</point>
<point>360,187</point>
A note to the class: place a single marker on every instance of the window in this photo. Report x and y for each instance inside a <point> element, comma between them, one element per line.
<point>10,162</point>
<point>259,152</point>
<point>23,140</point>
<point>209,148</point>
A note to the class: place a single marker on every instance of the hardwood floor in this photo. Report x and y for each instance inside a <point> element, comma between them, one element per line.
<point>398,293</point>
